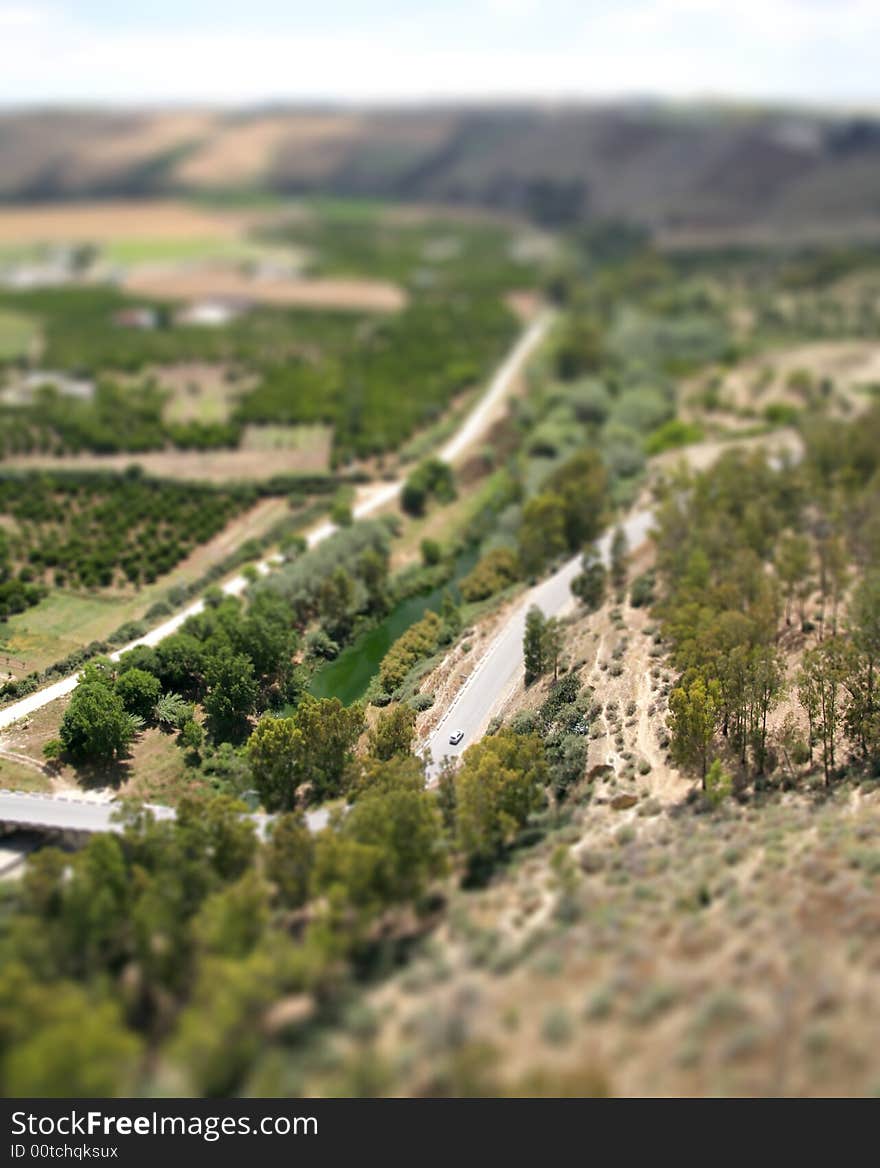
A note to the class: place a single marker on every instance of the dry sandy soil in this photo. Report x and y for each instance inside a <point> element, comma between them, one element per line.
<point>764,380</point>
<point>200,282</point>
<point>152,135</point>
<point>107,221</point>
<point>657,952</point>
<point>243,152</point>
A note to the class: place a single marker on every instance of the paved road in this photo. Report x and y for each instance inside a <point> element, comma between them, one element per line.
<point>71,814</point>
<point>501,667</point>
<point>373,498</point>
<point>79,815</point>
<point>482,695</point>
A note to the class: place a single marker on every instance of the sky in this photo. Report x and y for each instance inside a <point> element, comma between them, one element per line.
<point>227,52</point>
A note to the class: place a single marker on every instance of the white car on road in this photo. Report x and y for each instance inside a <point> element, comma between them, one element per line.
<point>455,737</point>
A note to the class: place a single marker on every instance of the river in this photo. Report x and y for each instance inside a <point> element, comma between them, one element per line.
<point>348,676</point>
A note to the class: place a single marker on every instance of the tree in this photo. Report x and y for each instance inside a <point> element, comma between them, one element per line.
<point>290,855</point>
<point>719,784</point>
<point>833,571</point>
<point>232,694</point>
<point>172,711</point>
<point>373,571</point>
<point>432,553</point>
<point>401,821</point>
<point>450,615</point>
<point>329,732</point>
<point>139,691</point>
<point>266,636</point>
<point>219,1035</point>
<point>67,1043</point>
<point>414,496</point>
<point>490,574</point>
<point>336,603</point>
<point>619,559</point>
<point>232,920</point>
<point>534,644</point>
<point>181,663</point>
<point>766,679</point>
<point>419,641</point>
<point>497,787</point>
<point>582,484</point>
<point>340,509</point>
<point>589,585</point>
<point>793,567</point>
<point>554,639</point>
<point>430,479</point>
<point>580,347</point>
<point>393,732</point>
<point>190,737</point>
<point>820,683</point>
<point>95,726</point>
<point>695,713</point>
<point>541,535</point>
<point>863,715</point>
<point>276,756</point>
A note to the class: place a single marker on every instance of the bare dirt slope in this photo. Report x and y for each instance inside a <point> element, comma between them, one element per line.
<point>656,951</point>
<point>702,176</point>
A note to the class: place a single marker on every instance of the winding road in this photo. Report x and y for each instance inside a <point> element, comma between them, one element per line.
<point>501,667</point>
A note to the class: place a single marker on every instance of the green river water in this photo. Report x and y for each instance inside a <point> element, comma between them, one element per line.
<point>348,676</point>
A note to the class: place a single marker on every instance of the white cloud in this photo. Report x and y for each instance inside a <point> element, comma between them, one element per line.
<point>678,48</point>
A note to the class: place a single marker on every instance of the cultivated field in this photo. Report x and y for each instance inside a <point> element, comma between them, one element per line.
<point>102,222</point>
<point>304,450</point>
<point>200,391</point>
<point>216,281</point>
<point>67,620</point>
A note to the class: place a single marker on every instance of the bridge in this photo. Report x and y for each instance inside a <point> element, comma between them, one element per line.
<point>73,819</point>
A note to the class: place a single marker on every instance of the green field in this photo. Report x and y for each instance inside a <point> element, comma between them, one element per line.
<point>285,437</point>
<point>17,332</point>
<point>141,251</point>
<point>61,623</point>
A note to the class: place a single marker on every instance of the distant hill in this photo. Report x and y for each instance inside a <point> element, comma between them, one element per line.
<point>690,172</point>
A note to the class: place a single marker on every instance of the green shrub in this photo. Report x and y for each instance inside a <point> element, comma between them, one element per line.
<point>671,435</point>
<point>491,574</point>
<point>419,641</point>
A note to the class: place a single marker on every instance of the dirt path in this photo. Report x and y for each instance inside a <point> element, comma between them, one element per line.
<point>24,760</point>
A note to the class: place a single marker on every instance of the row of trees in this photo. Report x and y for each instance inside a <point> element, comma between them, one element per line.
<point>99,530</point>
<point>165,950</point>
<point>740,547</point>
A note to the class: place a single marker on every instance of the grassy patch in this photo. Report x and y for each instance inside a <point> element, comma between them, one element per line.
<point>671,435</point>
<point>15,776</point>
<point>17,332</point>
<point>293,438</point>
<point>138,251</point>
